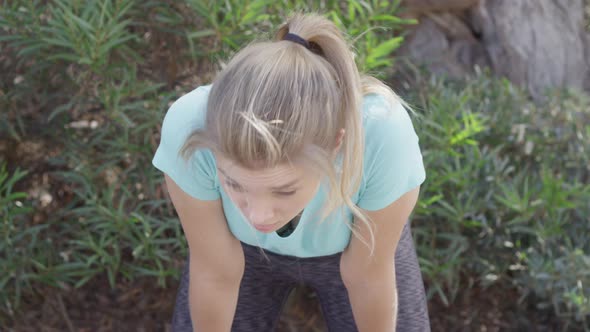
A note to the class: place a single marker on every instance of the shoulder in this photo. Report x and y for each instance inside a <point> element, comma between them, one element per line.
<point>189,111</point>
<point>393,162</point>
<point>184,116</point>
<point>386,120</point>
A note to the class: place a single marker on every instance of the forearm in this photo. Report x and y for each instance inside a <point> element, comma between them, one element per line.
<point>374,303</point>
<point>212,302</point>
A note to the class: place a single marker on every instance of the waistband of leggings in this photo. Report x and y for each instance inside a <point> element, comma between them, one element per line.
<point>250,249</point>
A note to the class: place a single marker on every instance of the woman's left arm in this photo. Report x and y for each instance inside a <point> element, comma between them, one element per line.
<point>370,281</point>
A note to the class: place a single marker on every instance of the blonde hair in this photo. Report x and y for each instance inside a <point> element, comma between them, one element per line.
<point>276,101</point>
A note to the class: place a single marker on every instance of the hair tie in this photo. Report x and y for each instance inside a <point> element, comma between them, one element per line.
<point>296,39</point>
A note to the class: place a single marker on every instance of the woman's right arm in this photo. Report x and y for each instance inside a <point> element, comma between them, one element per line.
<point>216,260</point>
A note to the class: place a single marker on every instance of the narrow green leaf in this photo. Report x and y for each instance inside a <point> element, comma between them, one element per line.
<point>385,48</point>
<point>201,33</point>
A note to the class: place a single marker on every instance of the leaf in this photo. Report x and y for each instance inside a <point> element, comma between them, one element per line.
<point>393,19</point>
<point>201,33</point>
<point>108,47</point>
<point>254,12</point>
<point>384,49</point>
<point>59,42</point>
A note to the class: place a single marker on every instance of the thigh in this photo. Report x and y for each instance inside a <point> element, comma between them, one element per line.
<point>324,276</point>
<point>412,314</point>
<point>260,300</point>
<point>181,319</point>
<point>263,293</point>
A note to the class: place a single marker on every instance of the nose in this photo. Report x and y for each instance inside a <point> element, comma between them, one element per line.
<point>260,213</point>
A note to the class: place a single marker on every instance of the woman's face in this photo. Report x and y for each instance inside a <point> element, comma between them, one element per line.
<point>268,198</point>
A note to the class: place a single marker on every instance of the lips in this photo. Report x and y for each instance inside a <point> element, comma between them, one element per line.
<point>265,228</point>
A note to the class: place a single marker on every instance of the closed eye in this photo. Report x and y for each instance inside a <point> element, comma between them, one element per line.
<point>286,193</point>
<point>234,186</point>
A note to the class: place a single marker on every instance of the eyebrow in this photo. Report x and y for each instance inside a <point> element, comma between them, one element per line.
<point>281,187</point>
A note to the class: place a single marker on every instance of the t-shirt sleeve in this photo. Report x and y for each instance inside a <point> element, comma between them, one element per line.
<point>196,176</point>
<point>393,161</point>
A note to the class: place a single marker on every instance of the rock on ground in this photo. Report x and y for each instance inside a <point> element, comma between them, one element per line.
<point>537,44</point>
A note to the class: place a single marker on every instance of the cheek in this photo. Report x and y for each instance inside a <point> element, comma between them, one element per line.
<point>238,198</point>
<point>300,202</point>
<point>288,207</point>
<point>296,204</point>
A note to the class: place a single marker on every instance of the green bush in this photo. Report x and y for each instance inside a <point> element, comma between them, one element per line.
<point>506,199</point>
<point>17,242</point>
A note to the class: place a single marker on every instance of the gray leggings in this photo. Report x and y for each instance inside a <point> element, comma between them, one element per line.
<point>266,285</point>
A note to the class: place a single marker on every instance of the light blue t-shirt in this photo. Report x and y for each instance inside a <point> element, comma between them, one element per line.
<point>392,166</point>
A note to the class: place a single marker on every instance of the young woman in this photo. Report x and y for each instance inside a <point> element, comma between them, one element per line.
<point>294,168</point>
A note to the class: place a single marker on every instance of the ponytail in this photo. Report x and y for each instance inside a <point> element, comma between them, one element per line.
<point>327,41</point>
